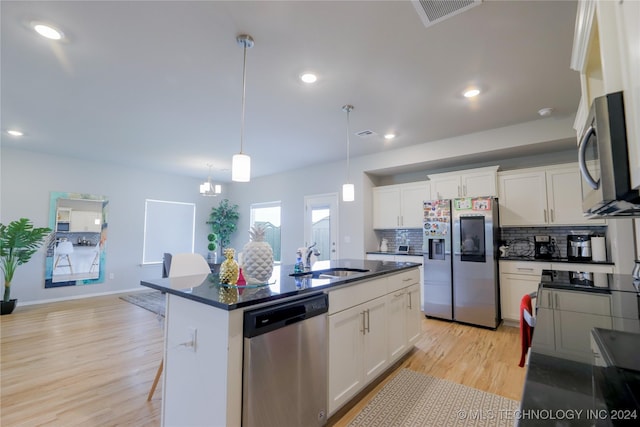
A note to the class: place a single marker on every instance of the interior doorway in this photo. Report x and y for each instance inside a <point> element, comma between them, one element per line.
<point>321,224</point>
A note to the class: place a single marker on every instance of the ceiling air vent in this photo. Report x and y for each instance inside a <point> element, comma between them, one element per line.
<point>365,133</point>
<point>434,11</point>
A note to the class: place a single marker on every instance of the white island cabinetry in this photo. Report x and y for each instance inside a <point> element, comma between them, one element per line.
<point>203,353</point>
<point>371,325</point>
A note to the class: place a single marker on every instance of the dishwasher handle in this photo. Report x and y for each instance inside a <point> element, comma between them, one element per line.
<point>272,317</point>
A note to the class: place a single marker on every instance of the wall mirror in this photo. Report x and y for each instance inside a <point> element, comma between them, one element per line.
<point>76,254</point>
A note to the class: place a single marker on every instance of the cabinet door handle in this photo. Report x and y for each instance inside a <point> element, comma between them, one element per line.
<point>545,215</point>
<point>556,298</point>
<point>524,269</point>
<point>410,305</point>
<point>464,190</point>
<point>460,191</point>
<point>407,279</point>
<point>363,328</point>
<point>552,216</point>
<point>368,321</point>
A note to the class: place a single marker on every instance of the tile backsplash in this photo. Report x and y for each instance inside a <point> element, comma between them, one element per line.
<point>411,237</point>
<point>519,239</point>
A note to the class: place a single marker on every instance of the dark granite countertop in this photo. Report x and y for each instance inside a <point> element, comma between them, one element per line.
<point>410,253</point>
<point>207,289</point>
<point>531,258</point>
<point>559,388</point>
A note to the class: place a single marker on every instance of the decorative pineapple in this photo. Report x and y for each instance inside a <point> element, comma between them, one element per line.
<point>229,268</point>
<point>257,257</point>
<point>228,295</point>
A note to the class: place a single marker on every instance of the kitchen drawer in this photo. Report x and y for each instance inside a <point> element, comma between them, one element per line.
<point>591,268</point>
<point>579,302</point>
<point>530,268</point>
<point>358,293</point>
<point>402,280</point>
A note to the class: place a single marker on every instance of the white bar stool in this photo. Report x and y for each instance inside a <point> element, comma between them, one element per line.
<point>63,251</point>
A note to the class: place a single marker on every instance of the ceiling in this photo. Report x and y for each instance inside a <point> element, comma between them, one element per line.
<point>158,85</point>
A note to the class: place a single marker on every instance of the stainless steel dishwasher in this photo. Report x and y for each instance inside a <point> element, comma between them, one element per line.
<point>285,364</point>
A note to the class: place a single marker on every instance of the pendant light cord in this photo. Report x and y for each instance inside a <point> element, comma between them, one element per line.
<point>244,90</point>
<point>348,109</point>
<point>348,143</point>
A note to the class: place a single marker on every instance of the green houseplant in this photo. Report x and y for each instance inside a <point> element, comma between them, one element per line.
<point>224,221</point>
<point>19,240</point>
<point>211,246</point>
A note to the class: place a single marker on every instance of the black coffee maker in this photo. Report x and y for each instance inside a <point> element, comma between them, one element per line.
<point>543,247</point>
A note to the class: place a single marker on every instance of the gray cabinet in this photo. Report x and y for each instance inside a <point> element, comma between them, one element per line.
<point>565,320</point>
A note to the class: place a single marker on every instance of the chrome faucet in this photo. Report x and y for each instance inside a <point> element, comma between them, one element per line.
<point>310,251</point>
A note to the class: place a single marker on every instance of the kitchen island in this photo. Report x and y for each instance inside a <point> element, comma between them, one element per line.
<point>584,368</point>
<point>203,357</point>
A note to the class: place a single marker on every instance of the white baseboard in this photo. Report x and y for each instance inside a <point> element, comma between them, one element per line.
<point>74,297</point>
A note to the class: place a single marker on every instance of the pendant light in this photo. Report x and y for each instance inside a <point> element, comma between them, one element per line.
<point>241,163</point>
<point>348,190</point>
<point>208,189</point>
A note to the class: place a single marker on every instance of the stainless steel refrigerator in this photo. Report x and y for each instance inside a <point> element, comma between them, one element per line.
<point>437,296</point>
<point>460,264</point>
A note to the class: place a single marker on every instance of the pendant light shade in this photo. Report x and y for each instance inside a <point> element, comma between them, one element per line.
<point>348,189</point>
<point>348,193</point>
<point>241,163</point>
<point>241,168</point>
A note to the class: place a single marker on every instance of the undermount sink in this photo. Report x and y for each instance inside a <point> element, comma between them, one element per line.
<point>330,273</point>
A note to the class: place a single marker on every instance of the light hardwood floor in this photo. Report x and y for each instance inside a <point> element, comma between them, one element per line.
<point>90,362</point>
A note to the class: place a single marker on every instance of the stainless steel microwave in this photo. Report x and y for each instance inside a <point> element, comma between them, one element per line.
<point>604,162</point>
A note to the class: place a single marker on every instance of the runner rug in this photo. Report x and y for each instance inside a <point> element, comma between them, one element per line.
<point>415,399</point>
<point>153,301</point>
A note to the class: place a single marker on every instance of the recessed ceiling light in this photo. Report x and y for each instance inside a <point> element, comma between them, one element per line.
<point>47,31</point>
<point>470,93</point>
<point>308,77</point>
<point>389,136</point>
<point>14,132</point>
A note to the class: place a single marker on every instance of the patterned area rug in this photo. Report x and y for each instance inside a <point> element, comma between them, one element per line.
<point>153,301</point>
<point>414,399</point>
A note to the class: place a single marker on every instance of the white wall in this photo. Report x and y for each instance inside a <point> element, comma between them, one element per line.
<point>26,182</point>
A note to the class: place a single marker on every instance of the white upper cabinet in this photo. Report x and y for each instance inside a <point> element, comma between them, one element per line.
<point>542,196</point>
<point>605,53</point>
<point>466,183</point>
<point>522,198</point>
<point>400,205</point>
<point>85,221</point>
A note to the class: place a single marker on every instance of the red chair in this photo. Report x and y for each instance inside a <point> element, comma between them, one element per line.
<point>527,324</point>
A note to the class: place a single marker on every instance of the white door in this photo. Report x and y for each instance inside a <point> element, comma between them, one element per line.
<point>321,224</point>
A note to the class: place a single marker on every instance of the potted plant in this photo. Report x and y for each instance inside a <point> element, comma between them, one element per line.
<point>19,240</point>
<point>223,220</point>
<point>211,246</point>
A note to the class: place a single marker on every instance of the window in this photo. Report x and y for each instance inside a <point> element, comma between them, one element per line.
<point>168,227</point>
<point>267,215</point>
